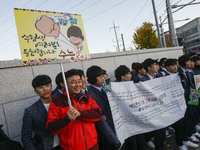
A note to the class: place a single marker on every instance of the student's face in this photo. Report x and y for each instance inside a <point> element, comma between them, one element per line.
<point>74,84</point>
<point>197,62</point>
<point>142,72</point>
<point>44,91</point>
<point>172,68</point>
<point>100,80</point>
<point>192,64</point>
<point>83,78</point>
<point>158,67</point>
<point>153,68</point>
<point>188,64</point>
<point>127,77</point>
<point>75,40</point>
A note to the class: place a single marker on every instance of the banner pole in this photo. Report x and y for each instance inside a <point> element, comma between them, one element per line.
<point>65,83</point>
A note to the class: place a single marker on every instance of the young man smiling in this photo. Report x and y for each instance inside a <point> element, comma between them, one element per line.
<point>74,125</point>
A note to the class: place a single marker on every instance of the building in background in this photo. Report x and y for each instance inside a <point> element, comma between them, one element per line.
<point>189,36</point>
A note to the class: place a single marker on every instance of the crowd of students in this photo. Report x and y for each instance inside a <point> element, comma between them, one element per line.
<point>51,124</point>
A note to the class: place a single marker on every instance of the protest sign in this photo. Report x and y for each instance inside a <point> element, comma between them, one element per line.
<point>146,106</point>
<point>197,81</point>
<point>194,97</point>
<point>45,36</point>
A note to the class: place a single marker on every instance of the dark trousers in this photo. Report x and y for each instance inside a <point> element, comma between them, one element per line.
<point>131,143</point>
<point>57,148</point>
<point>136,142</point>
<point>159,138</point>
<point>105,145</point>
<point>186,128</point>
<point>179,126</point>
<point>190,121</point>
<point>140,141</point>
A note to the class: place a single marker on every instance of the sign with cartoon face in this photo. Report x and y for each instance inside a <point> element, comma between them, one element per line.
<point>45,36</point>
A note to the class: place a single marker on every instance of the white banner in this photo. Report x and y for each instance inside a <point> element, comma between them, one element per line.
<point>146,106</point>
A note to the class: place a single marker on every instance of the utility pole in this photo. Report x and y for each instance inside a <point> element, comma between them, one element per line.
<point>123,42</point>
<point>172,31</point>
<point>155,15</point>
<point>163,35</point>
<point>114,27</point>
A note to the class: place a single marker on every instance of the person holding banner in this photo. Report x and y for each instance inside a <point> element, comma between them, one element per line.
<point>159,135</point>
<point>34,133</point>
<point>133,72</point>
<point>123,74</point>
<point>105,127</point>
<point>139,68</point>
<point>171,66</point>
<point>196,69</point>
<point>189,118</point>
<point>74,125</point>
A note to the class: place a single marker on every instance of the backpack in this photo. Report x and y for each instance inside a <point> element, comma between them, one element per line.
<point>7,144</point>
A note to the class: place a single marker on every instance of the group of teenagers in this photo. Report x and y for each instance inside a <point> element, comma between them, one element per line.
<point>52,124</point>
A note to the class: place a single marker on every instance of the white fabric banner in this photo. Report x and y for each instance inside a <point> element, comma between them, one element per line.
<point>146,106</point>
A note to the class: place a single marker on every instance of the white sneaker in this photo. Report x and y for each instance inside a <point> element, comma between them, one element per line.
<point>183,147</point>
<point>150,144</point>
<point>167,134</point>
<point>171,129</point>
<point>190,144</point>
<point>193,139</point>
<point>197,127</point>
<point>197,134</point>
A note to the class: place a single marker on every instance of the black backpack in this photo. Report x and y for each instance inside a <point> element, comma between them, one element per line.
<point>6,143</point>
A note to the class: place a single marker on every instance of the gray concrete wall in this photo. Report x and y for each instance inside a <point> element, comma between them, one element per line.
<point>17,93</point>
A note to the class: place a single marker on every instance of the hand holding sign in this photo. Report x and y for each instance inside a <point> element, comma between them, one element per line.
<point>73,113</point>
<point>48,27</point>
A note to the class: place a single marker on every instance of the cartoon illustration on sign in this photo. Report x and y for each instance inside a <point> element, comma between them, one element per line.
<point>49,28</point>
<point>45,36</point>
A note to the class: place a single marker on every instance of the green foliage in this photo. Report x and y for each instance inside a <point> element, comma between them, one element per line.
<point>145,37</point>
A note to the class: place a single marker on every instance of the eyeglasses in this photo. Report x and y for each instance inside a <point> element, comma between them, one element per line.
<point>75,82</point>
<point>101,77</point>
<point>43,87</point>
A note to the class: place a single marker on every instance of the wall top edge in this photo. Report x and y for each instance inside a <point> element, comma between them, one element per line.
<point>18,62</point>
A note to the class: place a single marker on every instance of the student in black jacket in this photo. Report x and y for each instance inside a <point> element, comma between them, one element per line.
<point>189,118</point>
<point>123,74</point>
<point>171,67</point>
<point>159,135</point>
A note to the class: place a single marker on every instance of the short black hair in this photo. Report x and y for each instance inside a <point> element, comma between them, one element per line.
<point>162,60</point>
<point>195,58</point>
<point>148,62</point>
<point>182,60</point>
<point>81,72</point>
<point>134,64</point>
<point>59,79</point>
<point>72,72</point>
<point>40,80</point>
<point>192,54</point>
<point>92,73</point>
<point>138,67</point>
<point>122,70</point>
<point>104,72</point>
<point>170,62</point>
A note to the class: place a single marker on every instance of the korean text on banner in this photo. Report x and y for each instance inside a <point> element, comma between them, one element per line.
<point>45,36</point>
<point>146,106</point>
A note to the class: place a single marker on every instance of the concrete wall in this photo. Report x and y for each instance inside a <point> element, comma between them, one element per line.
<point>17,93</point>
